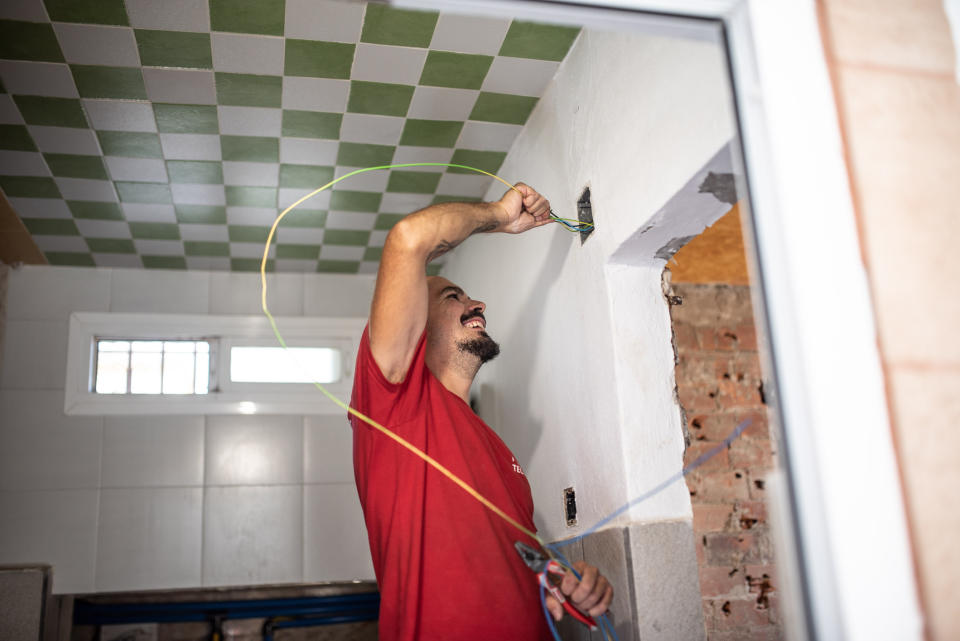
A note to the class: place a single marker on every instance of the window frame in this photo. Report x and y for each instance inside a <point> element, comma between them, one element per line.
<point>224,396</point>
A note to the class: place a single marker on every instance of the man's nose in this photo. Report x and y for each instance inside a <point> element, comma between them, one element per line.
<point>476,304</point>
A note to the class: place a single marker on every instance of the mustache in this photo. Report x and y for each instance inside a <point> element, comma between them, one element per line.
<point>474,314</point>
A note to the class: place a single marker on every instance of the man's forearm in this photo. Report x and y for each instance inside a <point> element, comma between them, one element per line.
<point>432,232</point>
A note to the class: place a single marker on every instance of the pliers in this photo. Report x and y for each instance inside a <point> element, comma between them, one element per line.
<point>544,566</point>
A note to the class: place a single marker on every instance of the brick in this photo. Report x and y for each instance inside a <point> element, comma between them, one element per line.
<point>747,336</point>
<point>715,426</point>
<point>757,486</point>
<point>728,582</point>
<point>711,517</point>
<point>727,549</point>
<point>685,337</point>
<point>717,461</point>
<point>731,393</point>
<point>755,511</point>
<point>718,486</point>
<point>741,613</point>
<point>753,454</point>
<point>722,339</point>
<point>697,398</point>
<point>759,426</point>
<point>760,551</point>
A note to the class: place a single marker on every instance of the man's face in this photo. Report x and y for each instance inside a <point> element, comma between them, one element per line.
<point>455,321</point>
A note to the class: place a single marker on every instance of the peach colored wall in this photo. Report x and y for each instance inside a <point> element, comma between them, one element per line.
<point>899,104</point>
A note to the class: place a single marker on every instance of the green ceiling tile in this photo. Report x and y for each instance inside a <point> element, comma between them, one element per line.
<point>318,59</point>
<point>204,172</point>
<point>413,182</point>
<point>201,214</point>
<point>54,112</point>
<point>111,245</point>
<point>388,26</point>
<point>74,166</point>
<point>309,252</point>
<point>443,198</point>
<point>300,217</point>
<point>248,90</point>
<point>51,226</point>
<point>29,187</point>
<point>16,138</point>
<point>387,221</point>
<point>95,211</point>
<point>155,231</point>
<point>174,49</point>
<point>186,119</point>
<point>250,148</point>
<point>164,262</point>
<point>373,253</point>
<point>91,11</point>
<point>540,41</point>
<point>459,70</point>
<point>311,124</point>
<point>346,237</point>
<point>94,81</point>
<point>70,259</point>
<point>130,144</point>
<point>355,200</point>
<point>431,133</point>
<point>338,266</point>
<point>486,160</point>
<point>305,176</point>
<point>205,248</point>
<point>134,192</point>
<point>250,264</point>
<point>434,270</point>
<point>501,107</point>
<point>247,233</point>
<point>352,154</point>
<point>247,16</point>
<point>29,41</point>
<point>251,196</point>
<point>379,98</point>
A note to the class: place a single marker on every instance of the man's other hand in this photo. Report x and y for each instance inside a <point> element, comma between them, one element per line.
<point>591,594</point>
<point>522,208</point>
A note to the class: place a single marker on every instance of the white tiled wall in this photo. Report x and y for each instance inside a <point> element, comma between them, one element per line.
<point>157,502</point>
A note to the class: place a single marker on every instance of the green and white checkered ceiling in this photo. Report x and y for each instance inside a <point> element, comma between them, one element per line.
<point>168,134</point>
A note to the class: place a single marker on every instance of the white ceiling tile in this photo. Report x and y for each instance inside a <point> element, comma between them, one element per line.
<point>259,216</point>
<point>378,130</point>
<point>40,207</point>
<point>308,151</point>
<point>520,76</point>
<point>469,185</point>
<point>204,233</point>
<point>488,136</point>
<point>25,10</point>
<point>38,79</point>
<point>84,44</point>
<point>296,265</point>
<point>61,243</point>
<point>405,154</point>
<point>84,189</point>
<point>442,103</point>
<point>367,181</point>
<point>22,163</point>
<point>242,53</point>
<point>152,247</point>
<point>198,194</point>
<point>148,213</point>
<point>150,170</point>
<point>315,94</point>
<point>103,228</point>
<point>9,113</point>
<point>383,63</point>
<point>184,86</point>
<point>300,235</point>
<point>378,237</point>
<point>250,250</point>
<point>394,203</point>
<point>120,115</point>
<point>169,15</point>
<point>469,34</point>
<point>251,174</point>
<point>118,260</point>
<point>351,220</point>
<point>368,267</point>
<point>341,252</point>
<point>334,21</point>
<point>208,263</point>
<point>65,140</point>
<point>286,196</point>
<point>190,146</point>
<point>249,121</point>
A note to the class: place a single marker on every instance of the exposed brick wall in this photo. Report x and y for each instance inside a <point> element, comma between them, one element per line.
<point>719,385</point>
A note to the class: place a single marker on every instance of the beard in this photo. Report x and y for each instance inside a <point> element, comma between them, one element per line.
<point>484,347</point>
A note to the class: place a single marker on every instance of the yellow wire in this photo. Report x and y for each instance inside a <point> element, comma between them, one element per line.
<point>399,439</point>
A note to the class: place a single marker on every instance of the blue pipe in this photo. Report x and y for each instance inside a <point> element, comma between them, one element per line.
<point>227,605</point>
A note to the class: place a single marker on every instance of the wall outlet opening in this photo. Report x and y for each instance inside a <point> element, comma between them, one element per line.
<point>570,506</point>
<point>585,214</point>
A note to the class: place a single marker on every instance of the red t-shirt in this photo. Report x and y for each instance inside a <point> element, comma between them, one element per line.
<point>445,564</point>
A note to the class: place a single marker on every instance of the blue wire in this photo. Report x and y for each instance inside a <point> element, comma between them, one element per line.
<point>546,613</point>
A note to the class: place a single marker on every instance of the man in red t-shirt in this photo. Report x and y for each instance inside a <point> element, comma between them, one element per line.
<point>446,565</point>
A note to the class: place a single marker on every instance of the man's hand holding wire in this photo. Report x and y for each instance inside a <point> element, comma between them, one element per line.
<point>591,593</point>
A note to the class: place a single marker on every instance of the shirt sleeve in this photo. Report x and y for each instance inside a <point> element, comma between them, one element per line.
<point>388,403</point>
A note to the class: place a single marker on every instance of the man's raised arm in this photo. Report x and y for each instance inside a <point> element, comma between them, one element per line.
<point>399,311</point>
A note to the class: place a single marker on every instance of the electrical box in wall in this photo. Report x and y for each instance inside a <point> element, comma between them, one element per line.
<point>570,506</point>
<point>585,215</point>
